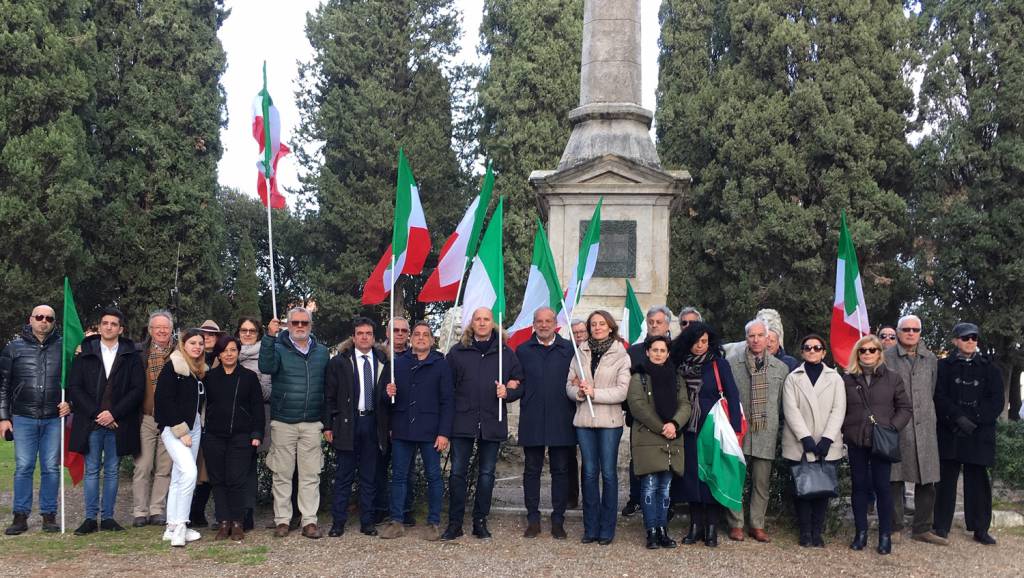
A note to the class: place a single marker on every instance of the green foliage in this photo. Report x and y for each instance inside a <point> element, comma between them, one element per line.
<point>786,113</point>
<point>247,297</point>
<point>380,80</point>
<point>46,190</point>
<point>968,202</point>
<point>525,94</point>
<point>1009,468</point>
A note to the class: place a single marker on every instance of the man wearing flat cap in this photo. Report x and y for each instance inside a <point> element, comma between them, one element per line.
<point>968,401</point>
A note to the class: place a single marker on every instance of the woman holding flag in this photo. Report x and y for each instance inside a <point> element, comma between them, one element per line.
<point>700,362</point>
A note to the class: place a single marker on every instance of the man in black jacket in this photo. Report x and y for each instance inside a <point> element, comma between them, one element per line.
<point>357,422</point>
<point>106,386</point>
<point>30,409</point>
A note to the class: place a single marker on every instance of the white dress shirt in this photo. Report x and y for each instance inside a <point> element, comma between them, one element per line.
<point>359,371</point>
<point>109,355</point>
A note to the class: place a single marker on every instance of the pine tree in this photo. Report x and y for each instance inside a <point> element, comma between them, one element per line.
<point>159,112</point>
<point>969,197</point>
<point>247,297</point>
<point>379,81</point>
<point>526,91</point>
<point>46,188</point>
<point>786,113</point>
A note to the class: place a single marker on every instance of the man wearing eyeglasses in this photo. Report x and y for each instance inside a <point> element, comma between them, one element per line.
<point>399,327</point>
<point>968,401</point>
<point>887,335</point>
<point>295,362</point>
<point>918,367</point>
<point>30,411</point>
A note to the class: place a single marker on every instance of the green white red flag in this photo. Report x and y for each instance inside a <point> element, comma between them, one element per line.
<point>486,284</point>
<point>585,264</point>
<point>542,289</point>
<point>71,337</point>
<point>720,461</point>
<point>410,241</point>
<point>849,310</point>
<point>443,283</point>
<point>266,129</point>
<point>634,321</point>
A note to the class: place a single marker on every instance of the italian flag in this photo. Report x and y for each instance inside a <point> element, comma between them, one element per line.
<point>71,338</point>
<point>542,289</point>
<point>443,283</point>
<point>486,284</point>
<point>585,264</point>
<point>266,128</point>
<point>410,242</point>
<point>720,462</point>
<point>633,318</point>
<point>849,311</point>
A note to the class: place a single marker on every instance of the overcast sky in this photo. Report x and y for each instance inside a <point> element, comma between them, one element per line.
<point>259,30</point>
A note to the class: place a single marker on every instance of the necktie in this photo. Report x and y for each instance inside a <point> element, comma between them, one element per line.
<point>367,384</point>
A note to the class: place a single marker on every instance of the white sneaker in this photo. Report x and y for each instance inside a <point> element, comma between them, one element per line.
<point>191,535</point>
<point>169,532</point>
<point>178,537</point>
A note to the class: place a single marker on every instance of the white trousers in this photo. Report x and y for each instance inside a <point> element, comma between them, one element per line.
<point>183,473</point>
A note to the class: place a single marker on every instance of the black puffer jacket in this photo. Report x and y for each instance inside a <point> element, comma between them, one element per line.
<point>30,376</point>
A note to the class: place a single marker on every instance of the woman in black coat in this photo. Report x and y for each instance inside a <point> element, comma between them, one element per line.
<point>234,428</point>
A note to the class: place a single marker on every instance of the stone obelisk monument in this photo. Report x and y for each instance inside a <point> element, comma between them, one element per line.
<point>611,154</point>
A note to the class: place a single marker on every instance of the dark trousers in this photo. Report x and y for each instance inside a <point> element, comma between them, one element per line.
<point>382,501</point>
<point>866,473</point>
<point>363,458</point>
<point>977,497</point>
<point>458,486</point>
<point>924,507</point>
<point>229,459</point>
<point>810,515</point>
<point>703,515</point>
<point>559,466</point>
<point>634,484</point>
<point>574,478</point>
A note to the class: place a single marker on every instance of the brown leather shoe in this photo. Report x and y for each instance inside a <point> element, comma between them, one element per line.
<point>237,531</point>
<point>760,535</point>
<point>736,534</point>
<point>281,531</point>
<point>532,530</point>
<point>929,538</point>
<point>223,531</point>
<point>311,531</point>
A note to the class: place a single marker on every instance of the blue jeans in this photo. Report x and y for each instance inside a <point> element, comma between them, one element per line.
<point>462,451</point>
<point>32,438</point>
<point>102,453</point>
<point>600,450</point>
<point>403,454</point>
<point>654,498</point>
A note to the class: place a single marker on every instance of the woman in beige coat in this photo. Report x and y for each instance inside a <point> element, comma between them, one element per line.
<point>813,407</point>
<point>605,381</point>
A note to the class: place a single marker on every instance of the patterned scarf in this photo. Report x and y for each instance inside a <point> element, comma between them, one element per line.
<point>692,369</point>
<point>597,350</point>
<point>758,369</point>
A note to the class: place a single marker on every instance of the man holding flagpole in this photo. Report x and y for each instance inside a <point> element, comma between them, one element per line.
<point>31,410</point>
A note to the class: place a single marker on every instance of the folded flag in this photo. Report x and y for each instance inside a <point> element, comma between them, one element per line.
<point>720,462</point>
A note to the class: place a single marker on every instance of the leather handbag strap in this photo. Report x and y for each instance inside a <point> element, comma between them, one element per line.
<point>864,398</point>
<point>718,378</point>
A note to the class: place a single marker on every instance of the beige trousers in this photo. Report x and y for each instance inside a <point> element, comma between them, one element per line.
<point>760,473</point>
<point>152,474</point>
<point>296,444</point>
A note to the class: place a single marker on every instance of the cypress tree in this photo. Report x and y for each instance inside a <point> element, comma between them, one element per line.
<point>247,297</point>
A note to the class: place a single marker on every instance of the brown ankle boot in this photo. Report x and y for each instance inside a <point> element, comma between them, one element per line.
<point>237,532</point>
<point>223,531</point>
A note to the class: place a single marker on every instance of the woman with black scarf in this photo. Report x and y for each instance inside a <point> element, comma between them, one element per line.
<point>660,406</point>
<point>696,353</point>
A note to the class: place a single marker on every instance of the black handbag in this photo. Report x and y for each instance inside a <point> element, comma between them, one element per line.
<point>885,439</point>
<point>815,479</point>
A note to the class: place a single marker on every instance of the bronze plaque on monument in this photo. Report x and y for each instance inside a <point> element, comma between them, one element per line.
<point>617,255</point>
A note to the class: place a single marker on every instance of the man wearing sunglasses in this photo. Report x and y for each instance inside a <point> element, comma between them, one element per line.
<point>968,401</point>
<point>30,411</point>
<point>918,368</point>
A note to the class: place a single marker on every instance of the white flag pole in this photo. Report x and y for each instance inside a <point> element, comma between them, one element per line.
<point>270,243</point>
<point>501,356</point>
<point>62,464</point>
<point>391,323</point>
<point>576,351</point>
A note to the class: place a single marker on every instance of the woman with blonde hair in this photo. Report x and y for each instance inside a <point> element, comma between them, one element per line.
<point>873,395</point>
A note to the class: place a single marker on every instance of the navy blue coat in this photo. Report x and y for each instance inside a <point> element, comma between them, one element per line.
<point>425,402</point>
<point>545,412</point>
<point>695,490</point>
<point>476,398</point>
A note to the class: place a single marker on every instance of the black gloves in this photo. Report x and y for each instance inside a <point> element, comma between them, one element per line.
<point>965,425</point>
<point>822,448</point>
<point>808,443</point>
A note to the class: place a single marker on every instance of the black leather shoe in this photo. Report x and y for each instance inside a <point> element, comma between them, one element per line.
<point>711,536</point>
<point>984,538</point>
<point>652,539</point>
<point>816,540</point>
<point>111,525</point>
<point>368,530</point>
<point>480,529</point>
<point>630,509</point>
<point>452,532</point>
<point>884,544</point>
<point>860,540</point>
<point>336,531</point>
<point>588,540</point>
<point>558,531</point>
<point>696,534</point>
<point>250,520</point>
<point>199,522</point>
<point>663,538</point>
<point>140,521</point>
<point>805,539</point>
<point>605,541</point>
<point>88,527</point>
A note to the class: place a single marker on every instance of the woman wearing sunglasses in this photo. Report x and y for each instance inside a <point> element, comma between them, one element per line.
<point>814,407</point>
<point>868,379</point>
<point>179,400</point>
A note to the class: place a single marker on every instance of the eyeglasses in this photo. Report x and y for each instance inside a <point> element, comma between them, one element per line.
<point>243,330</point>
<point>888,337</point>
<point>48,318</point>
<point>868,350</point>
<point>299,322</point>
<point>400,330</point>
<point>812,348</point>
<point>971,337</point>
<point>910,329</point>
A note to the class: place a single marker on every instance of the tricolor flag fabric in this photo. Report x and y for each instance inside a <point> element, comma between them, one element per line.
<point>486,284</point>
<point>849,311</point>
<point>410,242</point>
<point>585,264</point>
<point>542,289</point>
<point>72,337</point>
<point>634,322</point>
<point>720,462</point>
<point>266,128</point>
<point>443,283</point>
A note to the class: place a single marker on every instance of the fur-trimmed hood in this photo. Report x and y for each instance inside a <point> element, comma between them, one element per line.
<point>181,366</point>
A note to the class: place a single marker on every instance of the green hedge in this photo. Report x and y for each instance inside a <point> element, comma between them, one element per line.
<point>1009,468</point>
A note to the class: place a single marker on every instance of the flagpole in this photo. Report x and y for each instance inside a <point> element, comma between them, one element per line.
<point>576,351</point>
<point>391,325</point>
<point>62,431</point>
<point>501,315</point>
<point>270,243</point>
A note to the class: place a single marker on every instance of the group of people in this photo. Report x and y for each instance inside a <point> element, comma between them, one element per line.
<point>194,413</point>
